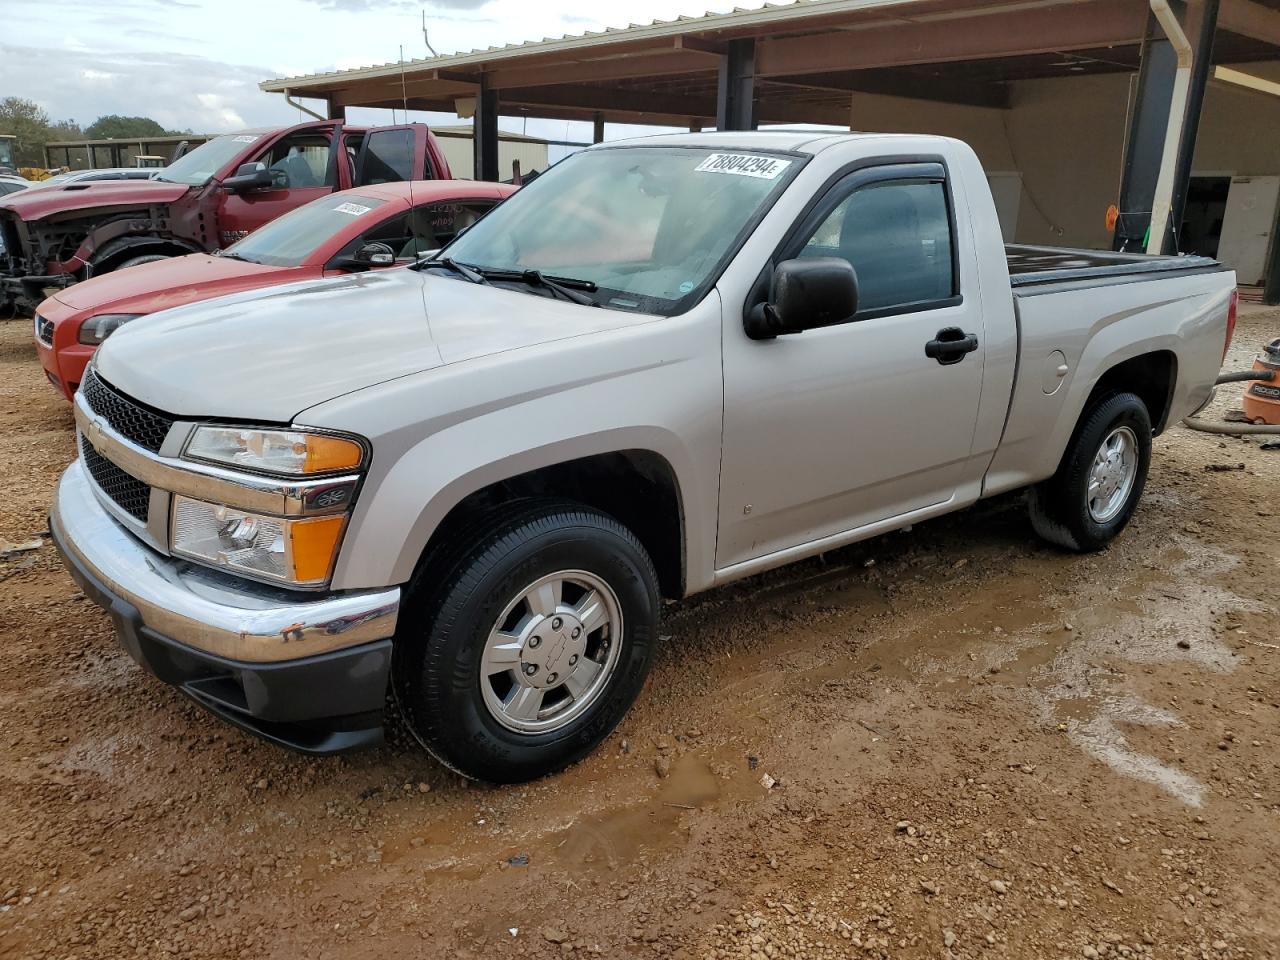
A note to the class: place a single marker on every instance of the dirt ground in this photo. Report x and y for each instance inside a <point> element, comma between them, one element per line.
<point>947,743</point>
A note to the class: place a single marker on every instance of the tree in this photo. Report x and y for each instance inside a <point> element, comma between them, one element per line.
<point>25,120</point>
<point>115,127</point>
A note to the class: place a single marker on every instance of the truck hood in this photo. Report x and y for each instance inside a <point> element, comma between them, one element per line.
<point>150,287</point>
<point>268,355</point>
<point>35,203</point>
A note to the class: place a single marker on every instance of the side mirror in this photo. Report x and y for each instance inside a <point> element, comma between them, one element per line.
<point>249,176</point>
<point>805,294</point>
<point>374,255</point>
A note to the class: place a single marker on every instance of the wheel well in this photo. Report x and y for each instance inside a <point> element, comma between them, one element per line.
<point>636,487</point>
<point>118,251</point>
<point>1151,376</point>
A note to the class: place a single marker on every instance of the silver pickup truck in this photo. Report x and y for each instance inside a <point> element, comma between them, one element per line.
<point>664,365</point>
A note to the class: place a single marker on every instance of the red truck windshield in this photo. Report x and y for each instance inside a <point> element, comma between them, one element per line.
<point>198,166</point>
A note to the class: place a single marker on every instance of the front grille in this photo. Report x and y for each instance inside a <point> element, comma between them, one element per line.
<point>44,330</point>
<point>131,420</point>
<point>129,493</point>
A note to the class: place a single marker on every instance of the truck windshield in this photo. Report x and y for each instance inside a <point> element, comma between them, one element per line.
<point>289,240</point>
<point>198,167</point>
<point>650,227</point>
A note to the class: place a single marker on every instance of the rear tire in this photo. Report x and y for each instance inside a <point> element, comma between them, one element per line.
<point>525,640</point>
<point>1085,505</point>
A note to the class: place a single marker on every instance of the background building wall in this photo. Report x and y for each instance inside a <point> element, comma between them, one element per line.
<point>458,150</point>
<point>1240,129</point>
<point>1065,137</point>
<point>981,127</point>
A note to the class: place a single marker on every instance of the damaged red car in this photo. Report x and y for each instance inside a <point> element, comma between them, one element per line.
<point>369,227</point>
<point>209,198</point>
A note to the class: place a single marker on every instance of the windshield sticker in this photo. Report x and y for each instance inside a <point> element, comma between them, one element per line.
<point>743,165</point>
<point>245,138</point>
<point>355,209</point>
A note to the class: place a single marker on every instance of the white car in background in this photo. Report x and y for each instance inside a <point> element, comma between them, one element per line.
<point>12,184</point>
<point>89,176</point>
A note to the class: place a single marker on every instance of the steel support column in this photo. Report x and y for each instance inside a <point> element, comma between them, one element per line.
<point>484,135</point>
<point>1271,293</point>
<point>1202,29</point>
<point>1149,124</point>
<point>597,132</point>
<point>735,93</point>
<point>335,111</point>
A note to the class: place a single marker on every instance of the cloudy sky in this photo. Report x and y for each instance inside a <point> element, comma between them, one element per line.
<point>196,64</point>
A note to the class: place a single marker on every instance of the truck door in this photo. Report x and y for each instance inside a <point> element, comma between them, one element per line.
<point>302,166</point>
<point>392,155</point>
<point>837,429</point>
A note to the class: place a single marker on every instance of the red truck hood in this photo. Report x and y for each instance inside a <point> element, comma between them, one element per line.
<point>156,286</point>
<point>41,202</point>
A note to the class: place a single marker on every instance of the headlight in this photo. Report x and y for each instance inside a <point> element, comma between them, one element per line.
<point>285,550</point>
<point>292,453</point>
<point>96,329</point>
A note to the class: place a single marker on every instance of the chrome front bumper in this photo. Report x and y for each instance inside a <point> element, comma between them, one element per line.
<point>200,609</point>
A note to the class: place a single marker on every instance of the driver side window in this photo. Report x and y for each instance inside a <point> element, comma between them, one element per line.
<point>427,227</point>
<point>300,160</point>
<point>897,235</point>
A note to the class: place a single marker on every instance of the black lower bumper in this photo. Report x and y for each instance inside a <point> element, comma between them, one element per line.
<point>329,703</point>
<point>29,291</point>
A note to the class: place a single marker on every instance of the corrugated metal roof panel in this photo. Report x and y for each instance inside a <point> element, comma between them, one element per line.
<point>711,20</point>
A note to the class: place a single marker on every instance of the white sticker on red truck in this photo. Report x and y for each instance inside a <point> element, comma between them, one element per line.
<point>744,165</point>
<point>244,138</point>
<point>355,209</point>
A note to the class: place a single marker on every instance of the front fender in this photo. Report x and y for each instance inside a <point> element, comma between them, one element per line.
<point>444,434</point>
<point>454,448</point>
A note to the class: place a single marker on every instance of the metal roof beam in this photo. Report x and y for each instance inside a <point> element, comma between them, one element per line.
<point>984,34</point>
<point>955,90</point>
<point>662,63</point>
<point>1250,19</point>
<point>626,105</point>
<point>604,99</point>
<point>716,47</point>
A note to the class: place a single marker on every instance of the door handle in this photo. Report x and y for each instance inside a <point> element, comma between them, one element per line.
<point>951,345</point>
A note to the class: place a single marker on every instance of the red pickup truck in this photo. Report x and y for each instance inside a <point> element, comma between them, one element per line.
<point>201,202</point>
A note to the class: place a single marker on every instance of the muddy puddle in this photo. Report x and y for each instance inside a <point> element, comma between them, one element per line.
<point>1070,661</point>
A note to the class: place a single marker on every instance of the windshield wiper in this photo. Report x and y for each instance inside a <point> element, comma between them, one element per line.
<point>453,266</point>
<point>232,256</point>
<point>566,287</point>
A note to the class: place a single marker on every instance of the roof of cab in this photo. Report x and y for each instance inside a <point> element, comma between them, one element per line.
<point>791,140</point>
<point>432,190</point>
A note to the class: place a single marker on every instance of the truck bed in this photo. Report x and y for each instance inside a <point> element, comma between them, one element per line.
<point>1032,265</point>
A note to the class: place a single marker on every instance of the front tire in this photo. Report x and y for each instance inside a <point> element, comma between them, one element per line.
<point>523,645</point>
<point>1085,505</point>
